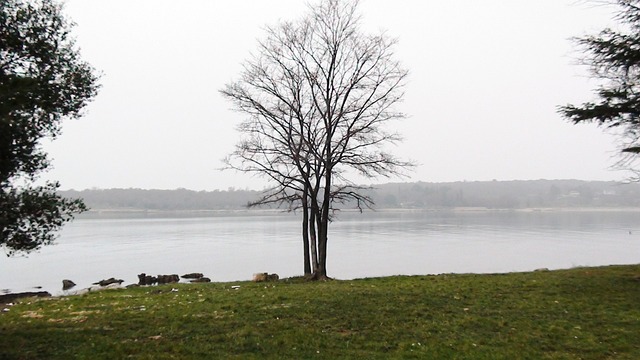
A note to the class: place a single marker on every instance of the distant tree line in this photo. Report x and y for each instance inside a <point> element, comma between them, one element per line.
<point>417,195</point>
<point>508,194</point>
<point>169,200</point>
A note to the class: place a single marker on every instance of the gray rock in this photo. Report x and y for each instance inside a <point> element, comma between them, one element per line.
<point>109,282</point>
<point>144,279</point>
<point>168,279</point>
<point>261,277</point>
<point>67,284</point>
<point>192,276</point>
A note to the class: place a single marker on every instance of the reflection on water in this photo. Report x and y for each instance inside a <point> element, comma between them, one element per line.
<point>232,247</point>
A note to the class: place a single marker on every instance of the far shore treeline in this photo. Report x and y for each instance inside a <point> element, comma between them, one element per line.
<point>417,195</point>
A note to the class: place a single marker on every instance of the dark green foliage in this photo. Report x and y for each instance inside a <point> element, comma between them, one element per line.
<point>42,82</point>
<point>34,214</point>
<point>614,58</point>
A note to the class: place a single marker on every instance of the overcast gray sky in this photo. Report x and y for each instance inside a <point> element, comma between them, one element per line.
<point>485,79</point>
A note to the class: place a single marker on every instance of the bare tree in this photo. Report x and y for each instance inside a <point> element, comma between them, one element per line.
<point>318,95</point>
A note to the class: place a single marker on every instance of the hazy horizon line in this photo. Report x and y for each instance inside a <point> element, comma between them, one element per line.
<point>622,182</point>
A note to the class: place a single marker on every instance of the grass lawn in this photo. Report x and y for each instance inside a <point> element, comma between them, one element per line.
<point>582,313</point>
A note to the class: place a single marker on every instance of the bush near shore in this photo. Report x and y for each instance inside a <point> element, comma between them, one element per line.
<point>581,313</point>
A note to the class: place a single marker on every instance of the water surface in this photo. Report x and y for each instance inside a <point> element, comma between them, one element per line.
<point>233,246</point>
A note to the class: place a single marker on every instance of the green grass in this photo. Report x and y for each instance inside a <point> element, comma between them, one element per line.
<point>582,313</point>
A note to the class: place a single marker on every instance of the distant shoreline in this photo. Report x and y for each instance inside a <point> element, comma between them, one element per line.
<point>108,213</point>
<point>532,195</point>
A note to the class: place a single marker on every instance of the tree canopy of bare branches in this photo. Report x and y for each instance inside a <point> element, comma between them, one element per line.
<point>318,95</point>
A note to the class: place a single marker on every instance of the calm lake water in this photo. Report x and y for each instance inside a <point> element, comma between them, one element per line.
<point>233,246</point>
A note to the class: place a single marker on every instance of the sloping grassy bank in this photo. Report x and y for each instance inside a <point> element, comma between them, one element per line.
<point>583,313</point>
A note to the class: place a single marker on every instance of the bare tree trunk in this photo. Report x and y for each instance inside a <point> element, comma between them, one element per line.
<point>312,232</point>
<point>321,272</point>
<point>323,231</point>
<point>305,233</point>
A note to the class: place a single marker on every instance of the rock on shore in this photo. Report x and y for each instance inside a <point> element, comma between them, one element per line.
<point>67,284</point>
